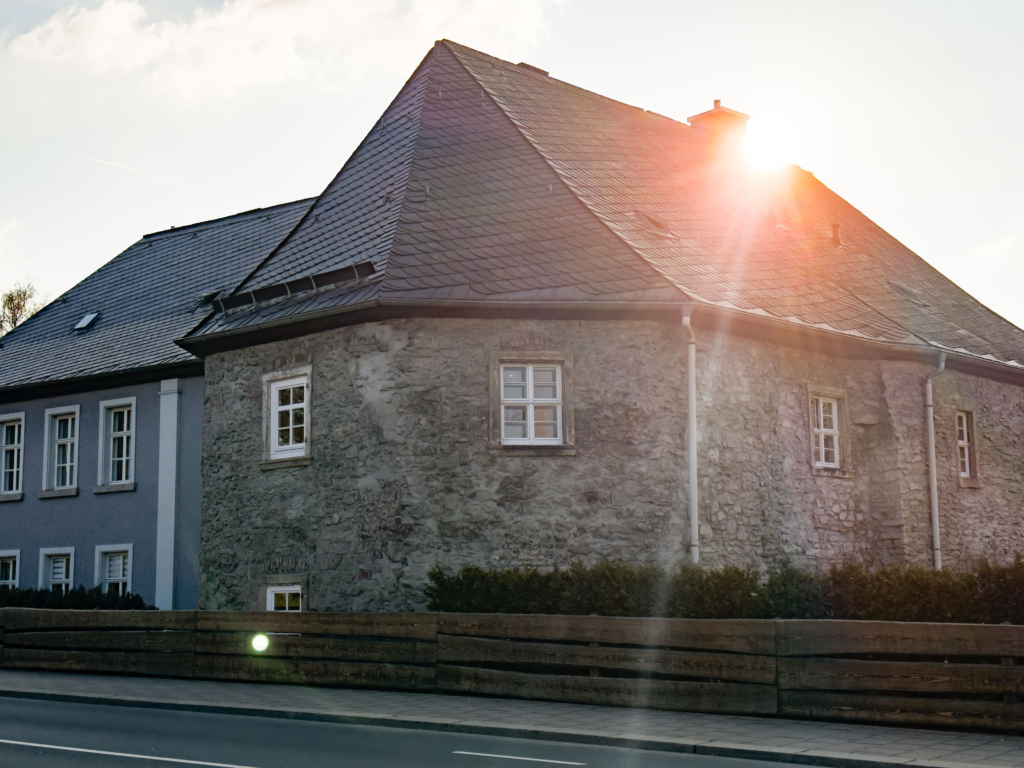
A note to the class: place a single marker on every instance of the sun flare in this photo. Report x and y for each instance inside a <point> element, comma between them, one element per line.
<point>774,138</point>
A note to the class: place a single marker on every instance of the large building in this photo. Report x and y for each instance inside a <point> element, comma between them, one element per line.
<point>526,324</point>
<point>101,415</point>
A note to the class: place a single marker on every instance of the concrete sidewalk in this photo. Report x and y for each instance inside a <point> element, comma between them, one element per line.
<point>792,741</point>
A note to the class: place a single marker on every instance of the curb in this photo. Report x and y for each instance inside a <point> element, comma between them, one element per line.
<point>712,749</point>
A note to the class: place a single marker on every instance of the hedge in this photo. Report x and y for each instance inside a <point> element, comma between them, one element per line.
<point>78,599</point>
<point>986,594</point>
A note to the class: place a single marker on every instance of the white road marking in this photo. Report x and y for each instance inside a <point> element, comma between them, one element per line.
<point>513,757</point>
<point>126,754</point>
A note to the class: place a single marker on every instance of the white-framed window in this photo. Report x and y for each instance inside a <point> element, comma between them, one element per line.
<point>116,462</point>
<point>12,450</point>
<point>113,568</point>
<point>289,417</point>
<point>966,464</point>
<point>825,431</point>
<point>57,568</point>
<point>10,560</point>
<point>285,598</point>
<point>60,452</point>
<point>531,404</point>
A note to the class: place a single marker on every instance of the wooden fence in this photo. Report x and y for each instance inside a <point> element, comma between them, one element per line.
<point>956,675</point>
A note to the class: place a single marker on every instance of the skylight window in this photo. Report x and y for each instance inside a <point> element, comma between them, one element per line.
<point>87,321</point>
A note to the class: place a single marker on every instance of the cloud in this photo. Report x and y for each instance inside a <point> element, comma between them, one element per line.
<point>994,249</point>
<point>248,44</point>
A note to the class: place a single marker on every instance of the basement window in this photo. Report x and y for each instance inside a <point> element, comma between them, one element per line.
<point>286,598</point>
<point>9,568</point>
<point>56,569</point>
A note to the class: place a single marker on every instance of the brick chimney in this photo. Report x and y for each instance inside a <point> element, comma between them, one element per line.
<point>723,128</point>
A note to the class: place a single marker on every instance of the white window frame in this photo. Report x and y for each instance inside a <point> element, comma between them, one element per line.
<point>99,569</point>
<point>283,589</point>
<point>272,384</point>
<point>531,402</point>
<point>16,555</point>
<point>104,468</point>
<point>18,449</point>
<point>50,447</point>
<point>44,561</point>
<point>819,433</point>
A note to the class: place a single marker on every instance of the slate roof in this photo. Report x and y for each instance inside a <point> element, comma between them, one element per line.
<point>146,297</point>
<point>489,182</point>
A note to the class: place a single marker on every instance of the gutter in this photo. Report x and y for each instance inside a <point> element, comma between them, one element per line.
<point>691,430</point>
<point>933,485</point>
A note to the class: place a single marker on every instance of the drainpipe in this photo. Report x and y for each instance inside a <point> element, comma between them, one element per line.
<point>933,486</point>
<point>691,405</point>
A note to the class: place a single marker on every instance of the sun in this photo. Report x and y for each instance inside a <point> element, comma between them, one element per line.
<point>774,138</point>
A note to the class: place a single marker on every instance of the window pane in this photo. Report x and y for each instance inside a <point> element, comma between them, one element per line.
<point>279,601</point>
<point>515,413</point>
<point>299,394</point>
<point>545,391</point>
<point>9,459</point>
<point>544,375</point>
<point>6,570</point>
<point>9,435</point>
<point>828,420</point>
<point>118,425</point>
<point>545,413</point>
<point>284,437</point>
<point>284,396</point>
<point>515,391</point>
<point>515,431</point>
<point>117,472</point>
<point>293,601</point>
<point>284,418</point>
<point>299,416</point>
<point>128,420</point>
<point>62,429</point>
<point>62,476</point>
<point>515,374</point>
<point>128,447</point>
<point>62,454</point>
<point>299,435</point>
<point>545,430</point>
<point>117,448</point>
<point>72,420</point>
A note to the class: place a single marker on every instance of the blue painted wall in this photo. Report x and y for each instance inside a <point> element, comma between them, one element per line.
<point>89,519</point>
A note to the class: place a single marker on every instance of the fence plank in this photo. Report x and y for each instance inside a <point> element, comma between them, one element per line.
<point>735,698</point>
<point>935,677</point>
<point>452,649</point>
<point>124,663</point>
<point>901,710</point>
<point>824,637</point>
<point>740,635</point>
<point>25,619</point>
<point>318,672</point>
<point>411,626</point>
<point>319,647</point>
<point>130,640</point>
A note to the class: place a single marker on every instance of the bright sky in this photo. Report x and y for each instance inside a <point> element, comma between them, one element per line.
<point>122,117</point>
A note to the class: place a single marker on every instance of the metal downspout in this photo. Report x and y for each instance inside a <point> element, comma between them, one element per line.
<point>691,405</point>
<point>933,485</point>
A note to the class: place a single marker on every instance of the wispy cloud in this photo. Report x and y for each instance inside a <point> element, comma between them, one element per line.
<point>246,44</point>
<point>144,173</point>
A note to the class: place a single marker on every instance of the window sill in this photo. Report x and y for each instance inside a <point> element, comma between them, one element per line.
<point>535,450</point>
<point>11,497</point>
<point>58,493</point>
<point>302,461</point>
<point>842,474</point>
<point>114,488</point>
<point>970,482</point>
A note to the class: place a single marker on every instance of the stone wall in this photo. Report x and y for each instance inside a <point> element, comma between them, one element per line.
<point>402,475</point>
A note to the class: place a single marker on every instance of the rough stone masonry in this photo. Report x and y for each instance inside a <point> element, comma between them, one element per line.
<point>403,474</point>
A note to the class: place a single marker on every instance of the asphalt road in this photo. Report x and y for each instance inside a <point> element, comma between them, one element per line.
<point>59,735</point>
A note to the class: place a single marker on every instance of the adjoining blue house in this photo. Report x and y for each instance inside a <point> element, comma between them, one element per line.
<point>101,415</point>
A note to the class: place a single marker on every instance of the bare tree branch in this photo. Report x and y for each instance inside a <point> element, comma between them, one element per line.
<point>18,305</point>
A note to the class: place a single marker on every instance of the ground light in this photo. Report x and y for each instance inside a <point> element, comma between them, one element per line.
<point>260,643</point>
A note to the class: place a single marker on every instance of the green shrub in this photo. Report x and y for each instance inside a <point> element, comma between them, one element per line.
<point>991,594</point>
<point>79,599</point>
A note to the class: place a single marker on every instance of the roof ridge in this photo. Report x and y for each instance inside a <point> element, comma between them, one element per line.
<point>568,85</point>
<point>199,225</point>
